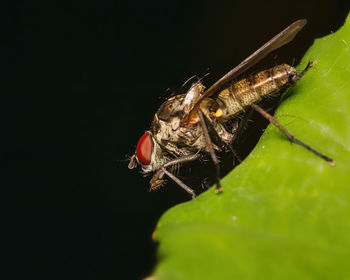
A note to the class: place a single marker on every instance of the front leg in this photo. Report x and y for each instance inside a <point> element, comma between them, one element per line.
<point>157,179</point>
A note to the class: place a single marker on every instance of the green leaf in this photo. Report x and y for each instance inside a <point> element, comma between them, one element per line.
<point>284,213</point>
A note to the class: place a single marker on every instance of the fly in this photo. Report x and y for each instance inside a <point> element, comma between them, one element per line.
<point>188,126</point>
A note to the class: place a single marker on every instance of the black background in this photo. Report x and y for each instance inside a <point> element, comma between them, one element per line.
<point>84,80</point>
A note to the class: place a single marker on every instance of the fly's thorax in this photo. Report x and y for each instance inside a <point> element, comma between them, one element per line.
<point>177,140</point>
<point>167,131</point>
<point>176,107</point>
<point>235,98</point>
<point>166,125</point>
<point>181,140</point>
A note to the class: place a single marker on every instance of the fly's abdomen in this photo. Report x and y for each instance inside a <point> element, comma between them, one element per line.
<point>252,89</point>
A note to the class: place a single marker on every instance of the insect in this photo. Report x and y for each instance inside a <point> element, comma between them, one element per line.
<point>188,126</point>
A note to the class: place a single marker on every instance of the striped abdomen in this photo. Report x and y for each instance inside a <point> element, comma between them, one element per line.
<point>252,89</point>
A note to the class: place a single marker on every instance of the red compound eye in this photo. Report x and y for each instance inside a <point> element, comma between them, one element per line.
<point>144,149</point>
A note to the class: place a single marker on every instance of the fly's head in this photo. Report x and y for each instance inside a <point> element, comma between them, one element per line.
<point>148,154</point>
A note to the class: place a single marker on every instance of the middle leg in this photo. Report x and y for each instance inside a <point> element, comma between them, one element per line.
<point>213,156</point>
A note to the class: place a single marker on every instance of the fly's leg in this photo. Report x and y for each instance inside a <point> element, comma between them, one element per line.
<point>295,78</point>
<point>234,153</point>
<point>243,123</point>
<point>182,160</point>
<point>241,126</point>
<point>157,179</point>
<point>308,66</point>
<point>211,151</point>
<point>290,137</point>
<point>179,182</point>
<point>212,133</point>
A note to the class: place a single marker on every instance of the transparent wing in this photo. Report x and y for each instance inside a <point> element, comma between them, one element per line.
<point>276,42</point>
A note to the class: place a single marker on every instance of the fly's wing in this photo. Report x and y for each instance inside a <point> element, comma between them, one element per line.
<point>276,42</point>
